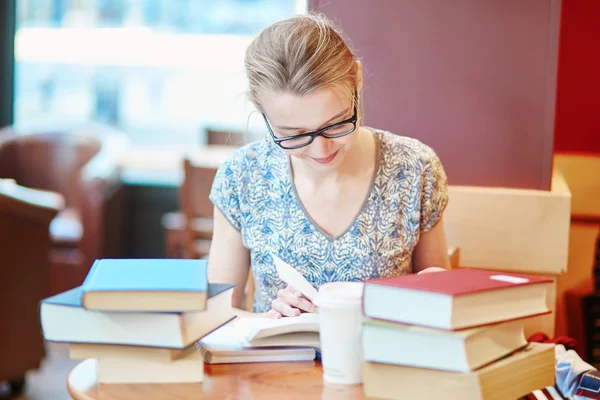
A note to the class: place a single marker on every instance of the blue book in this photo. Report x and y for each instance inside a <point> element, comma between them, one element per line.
<point>152,285</point>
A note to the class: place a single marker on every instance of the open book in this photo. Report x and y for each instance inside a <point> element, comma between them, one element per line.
<point>248,339</point>
<point>280,332</point>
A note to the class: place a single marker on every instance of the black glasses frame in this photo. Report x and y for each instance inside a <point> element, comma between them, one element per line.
<point>312,135</point>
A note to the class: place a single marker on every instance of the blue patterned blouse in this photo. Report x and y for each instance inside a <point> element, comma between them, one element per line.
<point>255,191</point>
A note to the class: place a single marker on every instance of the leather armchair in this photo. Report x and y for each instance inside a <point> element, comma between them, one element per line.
<point>25,217</point>
<point>80,164</point>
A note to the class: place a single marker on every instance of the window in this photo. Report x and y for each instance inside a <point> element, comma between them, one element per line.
<point>163,71</point>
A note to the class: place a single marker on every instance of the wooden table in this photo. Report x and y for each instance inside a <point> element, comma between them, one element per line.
<point>169,160</point>
<point>164,167</point>
<point>291,381</point>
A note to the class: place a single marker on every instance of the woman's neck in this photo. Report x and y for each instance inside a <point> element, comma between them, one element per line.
<point>360,158</point>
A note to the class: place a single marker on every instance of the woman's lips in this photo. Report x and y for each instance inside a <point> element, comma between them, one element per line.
<point>327,159</point>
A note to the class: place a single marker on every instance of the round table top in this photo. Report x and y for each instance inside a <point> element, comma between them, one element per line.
<point>289,380</point>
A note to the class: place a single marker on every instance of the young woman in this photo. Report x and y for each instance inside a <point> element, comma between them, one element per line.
<point>337,200</point>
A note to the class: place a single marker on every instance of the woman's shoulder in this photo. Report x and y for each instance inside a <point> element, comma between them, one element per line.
<point>404,151</point>
<point>251,157</point>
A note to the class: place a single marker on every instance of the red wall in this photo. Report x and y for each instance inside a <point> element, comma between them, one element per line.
<point>577,126</point>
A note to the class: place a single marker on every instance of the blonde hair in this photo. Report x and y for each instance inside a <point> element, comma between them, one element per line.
<point>299,55</point>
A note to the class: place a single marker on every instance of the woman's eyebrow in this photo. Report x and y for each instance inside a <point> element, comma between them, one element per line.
<point>289,128</point>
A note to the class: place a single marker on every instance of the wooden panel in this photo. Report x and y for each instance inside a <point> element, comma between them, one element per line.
<point>582,174</point>
<point>511,229</point>
<point>473,79</point>
<point>579,279</point>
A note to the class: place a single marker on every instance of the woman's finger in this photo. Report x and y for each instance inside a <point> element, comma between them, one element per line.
<point>284,309</point>
<point>273,314</point>
<point>296,300</point>
<point>431,269</point>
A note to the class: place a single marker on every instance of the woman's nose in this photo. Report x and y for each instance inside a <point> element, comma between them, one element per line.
<point>321,146</point>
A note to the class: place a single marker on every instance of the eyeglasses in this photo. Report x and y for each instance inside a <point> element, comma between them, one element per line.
<point>337,130</point>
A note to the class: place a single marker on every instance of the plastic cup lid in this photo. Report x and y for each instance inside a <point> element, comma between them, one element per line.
<point>340,295</point>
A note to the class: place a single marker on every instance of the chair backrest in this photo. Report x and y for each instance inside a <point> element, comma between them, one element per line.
<point>194,201</point>
<point>48,161</point>
<point>80,163</point>
<point>225,137</point>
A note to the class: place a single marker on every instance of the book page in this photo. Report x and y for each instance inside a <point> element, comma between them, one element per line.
<point>226,341</point>
<point>256,328</point>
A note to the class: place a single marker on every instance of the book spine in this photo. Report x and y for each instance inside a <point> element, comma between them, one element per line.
<point>90,276</point>
<point>88,280</point>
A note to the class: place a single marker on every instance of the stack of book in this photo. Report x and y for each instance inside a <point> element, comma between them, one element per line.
<point>139,319</point>
<point>454,335</point>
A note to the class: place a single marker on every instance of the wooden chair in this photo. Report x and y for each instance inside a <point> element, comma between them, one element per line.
<point>25,243</point>
<point>173,222</point>
<point>196,209</point>
<point>196,219</point>
<point>81,166</point>
<point>174,225</point>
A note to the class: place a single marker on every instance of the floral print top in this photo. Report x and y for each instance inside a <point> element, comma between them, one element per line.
<point>254,189</point>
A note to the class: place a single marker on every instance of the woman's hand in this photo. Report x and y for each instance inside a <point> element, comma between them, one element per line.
<point>290,303</point>
<point>431,269</point>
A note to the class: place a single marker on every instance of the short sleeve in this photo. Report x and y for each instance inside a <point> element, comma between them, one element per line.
<point>224,192</point>
<point>434,194</point>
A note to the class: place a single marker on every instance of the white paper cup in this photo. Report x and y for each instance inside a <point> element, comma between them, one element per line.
<point>340,315</point>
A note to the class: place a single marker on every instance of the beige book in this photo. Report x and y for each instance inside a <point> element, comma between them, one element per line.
<point>126,370</point>
<point>461,351</point>
<point>63,319</point>
<point>83,351</point>
<point>511,377</point>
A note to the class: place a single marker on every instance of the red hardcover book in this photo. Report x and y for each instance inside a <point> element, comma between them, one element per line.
<point>456,299</point>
